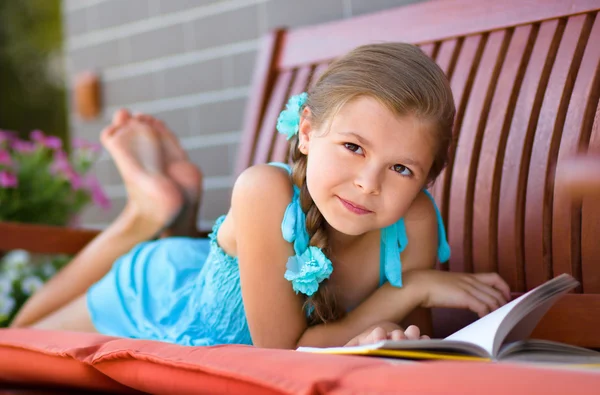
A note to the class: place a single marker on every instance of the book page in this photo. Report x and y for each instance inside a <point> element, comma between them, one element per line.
<point>483,331</point>
<point>522,314</point>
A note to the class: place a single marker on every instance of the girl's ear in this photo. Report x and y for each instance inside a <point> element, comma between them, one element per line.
<point>305,131</point>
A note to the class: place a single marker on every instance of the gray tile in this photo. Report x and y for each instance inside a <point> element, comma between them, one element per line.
<point>214,161</point>
<point>194,78</point>
<point>89,130</point>
<point>167,6</point>
<point>367,6</point>
<point>95,215</point>
<point>215,202</point>
<point>129,90</point>
<point>96,57</point>
<point>117,12</point>
<point>177,120</point>
<point>107,172</point>
<point>220,117</point>
<point>243,68</point>
<point>289,13</point>
<point>76,22</point>
<point>227,27</point>
<point>157,43</point>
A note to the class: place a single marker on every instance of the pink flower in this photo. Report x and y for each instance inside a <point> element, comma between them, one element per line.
<point>98,196</point>
<point>8,179</point>
<point>6,135</point>
<point>51,142</point>
<point>62,166</point>
<point>23,146</point>
<point>5,158</point>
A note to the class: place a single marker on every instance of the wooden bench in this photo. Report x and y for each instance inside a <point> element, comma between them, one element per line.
<point>526,80</point>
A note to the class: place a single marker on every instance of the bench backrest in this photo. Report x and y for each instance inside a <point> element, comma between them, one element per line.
<point>526,81</point>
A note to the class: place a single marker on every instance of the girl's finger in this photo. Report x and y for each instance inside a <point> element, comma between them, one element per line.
<point>473,303</point>
<point>425,337</point>
<point>490,302</point>
<point>397,334</point>
<point>378,334</point>
<point>412,332</point>
<point>494,280</point>
<point>488,289</point>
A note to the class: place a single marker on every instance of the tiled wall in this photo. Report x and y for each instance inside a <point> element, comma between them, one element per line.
<point>188,62</point>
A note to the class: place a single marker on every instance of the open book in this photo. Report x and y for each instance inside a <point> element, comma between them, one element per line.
<point>500,335</point>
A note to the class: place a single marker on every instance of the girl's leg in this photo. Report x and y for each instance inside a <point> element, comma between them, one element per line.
<point>153,199</point>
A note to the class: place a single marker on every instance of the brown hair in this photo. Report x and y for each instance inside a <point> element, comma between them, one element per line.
<point>403,79</point>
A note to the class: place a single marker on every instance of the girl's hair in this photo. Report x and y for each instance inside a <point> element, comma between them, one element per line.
<point>406,81</point>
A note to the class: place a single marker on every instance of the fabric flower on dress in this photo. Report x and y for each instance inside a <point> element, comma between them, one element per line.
<point>308,270</point>
<point>289,119</point>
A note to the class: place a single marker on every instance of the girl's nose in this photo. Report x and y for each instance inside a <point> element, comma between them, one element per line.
<point>368,180</point>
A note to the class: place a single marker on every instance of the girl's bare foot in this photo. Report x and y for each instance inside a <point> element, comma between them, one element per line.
<point>185,174</point>
<point>154,200</point>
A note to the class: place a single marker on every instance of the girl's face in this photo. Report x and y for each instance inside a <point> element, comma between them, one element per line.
<point>367,165</point>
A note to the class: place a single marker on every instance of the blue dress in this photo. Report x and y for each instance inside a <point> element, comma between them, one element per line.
<point>187,291</point>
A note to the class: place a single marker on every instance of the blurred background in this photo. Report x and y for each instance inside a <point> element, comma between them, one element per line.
<point>188,62</point>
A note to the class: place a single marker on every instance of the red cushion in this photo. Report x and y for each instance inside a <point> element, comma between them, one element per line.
<point>99,362</point>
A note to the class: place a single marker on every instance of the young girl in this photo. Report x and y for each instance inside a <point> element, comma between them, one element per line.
<point>336,249</point>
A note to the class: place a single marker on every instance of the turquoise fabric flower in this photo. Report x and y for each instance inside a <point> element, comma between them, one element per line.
<point>289,119</point>
<point>308,270</point>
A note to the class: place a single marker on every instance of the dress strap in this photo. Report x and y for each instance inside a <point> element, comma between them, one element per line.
<point>443,246</point>
<point>394,240</point>
<point>281,165</point>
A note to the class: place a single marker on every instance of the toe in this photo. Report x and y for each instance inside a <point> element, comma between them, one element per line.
<point>107,133</point>
<point>121,116</point>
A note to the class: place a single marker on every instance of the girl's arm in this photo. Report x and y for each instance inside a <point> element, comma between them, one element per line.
<point>274,312</point>
<point>387,304</point>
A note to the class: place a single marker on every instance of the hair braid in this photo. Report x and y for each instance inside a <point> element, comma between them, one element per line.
<point>323,303</point>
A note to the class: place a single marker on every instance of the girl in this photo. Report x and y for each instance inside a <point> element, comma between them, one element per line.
<point>336,249</point>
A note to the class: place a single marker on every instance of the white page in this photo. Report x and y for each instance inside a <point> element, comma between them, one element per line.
<point>483,331</point>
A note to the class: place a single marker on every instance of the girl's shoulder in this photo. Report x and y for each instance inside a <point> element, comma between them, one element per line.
<point>422,209</point>
<point>263,187</point>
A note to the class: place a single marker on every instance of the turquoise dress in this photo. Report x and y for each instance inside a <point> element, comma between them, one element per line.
<point>187,291</point>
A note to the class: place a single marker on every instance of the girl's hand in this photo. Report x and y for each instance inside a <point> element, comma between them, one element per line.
<point>481,293</point>
<point>386,331</point>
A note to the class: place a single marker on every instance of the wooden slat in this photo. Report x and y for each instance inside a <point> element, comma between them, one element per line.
<point>487,185</point>
<point>280,151</point>
<point>43,239</point>
<point>467,154</point>
<point>590,218</point>
<point>268,132</point>
<point>538,205</point>
<point>317,73</point>
<point>429,49</point>
<point>413,23</point>
<point>263,78</point>
<point>461,82</point>
<point>516,159</point>
<point>566,218</point>
<point>574,319</point>
<point>446,59</point>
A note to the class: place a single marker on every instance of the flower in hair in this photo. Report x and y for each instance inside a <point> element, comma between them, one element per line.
<point>306,271</point>
<point>289,119</point>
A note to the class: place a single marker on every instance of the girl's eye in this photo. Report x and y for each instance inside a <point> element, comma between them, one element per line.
<point>353,147</point>
<point>402,170</point>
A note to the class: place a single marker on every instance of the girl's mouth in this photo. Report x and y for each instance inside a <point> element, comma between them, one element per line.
<point>354,208</point>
